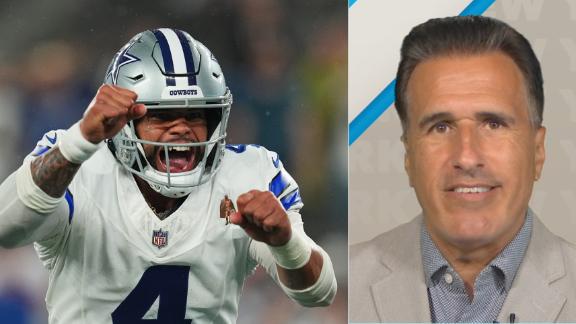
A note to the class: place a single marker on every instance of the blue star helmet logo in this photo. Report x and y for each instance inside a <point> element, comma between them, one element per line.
<point>121,59</point>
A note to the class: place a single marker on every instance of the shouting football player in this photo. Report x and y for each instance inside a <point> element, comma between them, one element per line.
<point>140,210</point>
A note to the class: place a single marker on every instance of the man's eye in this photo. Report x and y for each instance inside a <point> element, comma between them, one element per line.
<point>194,116</point>
<point>166,116</point>
<point>156,116</point>
<point>494,124</point>
<point>441,127</point>
<point>158,119</point>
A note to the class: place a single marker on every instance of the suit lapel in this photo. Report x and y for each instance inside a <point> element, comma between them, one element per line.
<point>401,295</point>
<point>531,297</point>
<point>400,298</point>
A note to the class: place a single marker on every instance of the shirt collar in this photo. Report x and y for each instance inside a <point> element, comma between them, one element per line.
<point>507,261</point>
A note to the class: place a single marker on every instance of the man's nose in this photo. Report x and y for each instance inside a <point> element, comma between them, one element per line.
<point>180,126</point>
<point>467,150</point>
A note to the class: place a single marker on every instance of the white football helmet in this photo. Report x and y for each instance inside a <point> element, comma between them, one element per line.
<point>169,69</point>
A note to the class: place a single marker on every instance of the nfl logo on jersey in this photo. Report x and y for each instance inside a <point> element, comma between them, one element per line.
<point>160,238</point>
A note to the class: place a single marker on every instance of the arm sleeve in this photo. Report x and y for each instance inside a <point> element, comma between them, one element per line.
<point>21,225</point>
<point>322,292</point>
<point>24,217</point>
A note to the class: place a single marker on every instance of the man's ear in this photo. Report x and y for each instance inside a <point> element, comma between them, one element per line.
<point>539,151</point>
<point>407,164</point>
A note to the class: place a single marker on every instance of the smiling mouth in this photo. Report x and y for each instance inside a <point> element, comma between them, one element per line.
<point>182,158</point>
<point>472,190</point>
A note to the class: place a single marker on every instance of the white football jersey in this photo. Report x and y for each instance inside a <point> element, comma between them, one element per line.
<point>112,260</point>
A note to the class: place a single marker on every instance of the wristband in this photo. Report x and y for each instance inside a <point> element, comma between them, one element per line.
<point>322,292</point>
<point>294,254</point>
<point>74,147</point>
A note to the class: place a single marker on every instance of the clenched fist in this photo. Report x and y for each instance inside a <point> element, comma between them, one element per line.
<point>111,109</point>
<point>263,218</point>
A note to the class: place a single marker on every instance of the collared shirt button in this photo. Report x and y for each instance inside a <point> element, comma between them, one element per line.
<point>448,278</point>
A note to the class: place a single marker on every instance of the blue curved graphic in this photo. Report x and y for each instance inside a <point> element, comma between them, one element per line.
<point>386,97</point>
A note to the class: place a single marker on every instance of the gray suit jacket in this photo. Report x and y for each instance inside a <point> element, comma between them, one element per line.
<point>387,279</point>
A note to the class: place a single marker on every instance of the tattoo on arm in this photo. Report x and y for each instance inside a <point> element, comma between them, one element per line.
<point>53,173</point>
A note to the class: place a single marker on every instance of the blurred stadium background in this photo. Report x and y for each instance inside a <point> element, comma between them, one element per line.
<point>285,63</point>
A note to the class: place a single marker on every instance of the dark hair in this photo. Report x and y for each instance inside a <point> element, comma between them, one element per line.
<point>468,35</point>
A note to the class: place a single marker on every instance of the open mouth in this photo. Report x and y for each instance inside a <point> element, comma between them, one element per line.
<point>182,159</point>
<point>472,192</point>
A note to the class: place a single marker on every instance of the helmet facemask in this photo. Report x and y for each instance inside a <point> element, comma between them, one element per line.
<point>207,154</point>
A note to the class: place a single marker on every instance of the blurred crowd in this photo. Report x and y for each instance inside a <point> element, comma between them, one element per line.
<point>285,63</point>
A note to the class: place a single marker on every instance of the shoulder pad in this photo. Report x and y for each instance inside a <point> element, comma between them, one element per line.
<point>47,142</point>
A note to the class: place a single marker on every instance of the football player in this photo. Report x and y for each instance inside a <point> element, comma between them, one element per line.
<point>140,211</point>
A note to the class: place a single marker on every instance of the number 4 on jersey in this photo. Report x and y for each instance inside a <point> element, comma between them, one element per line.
<point>169,283</point>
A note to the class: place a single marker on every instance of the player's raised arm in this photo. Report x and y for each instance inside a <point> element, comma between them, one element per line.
<point>304,269</point>
<point>109,111</point>
<point>40,183</point>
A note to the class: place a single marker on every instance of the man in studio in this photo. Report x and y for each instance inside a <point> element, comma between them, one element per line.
<point>470,98</point>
